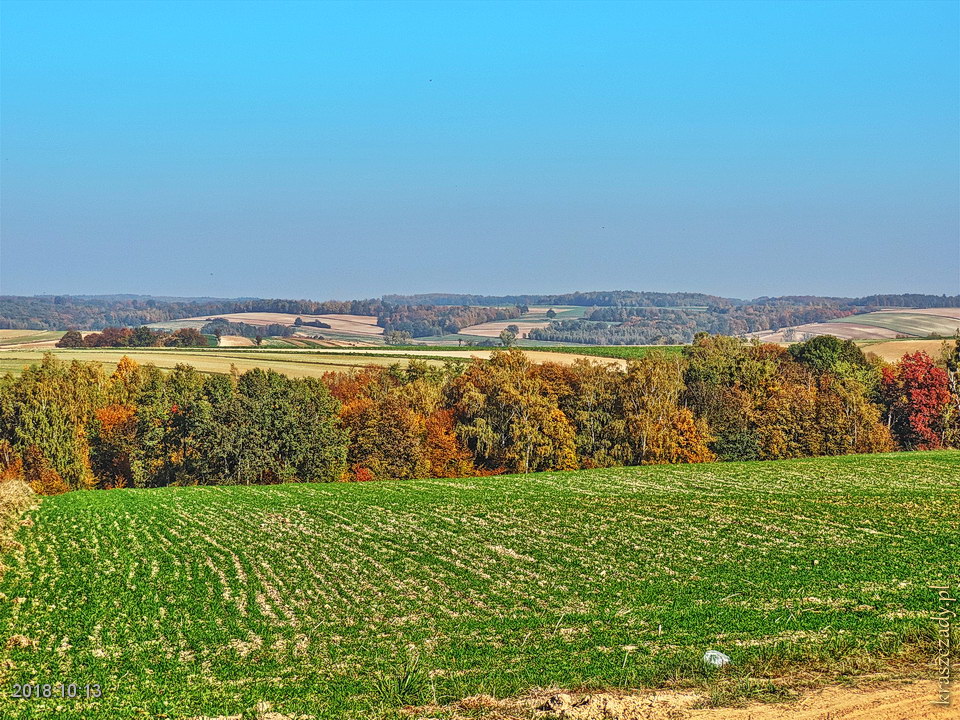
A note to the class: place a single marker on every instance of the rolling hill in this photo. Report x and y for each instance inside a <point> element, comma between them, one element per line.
<point>882,324</point>
<point>351,601</point>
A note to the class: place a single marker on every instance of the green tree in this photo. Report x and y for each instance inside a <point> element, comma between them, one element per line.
<point>143,337</point>
<point>824,352</point>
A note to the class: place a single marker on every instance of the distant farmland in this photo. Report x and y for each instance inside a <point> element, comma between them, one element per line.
<point>295,362</point>
<point>292,363</point>
<point>349,601</point>
<point>883,324</point>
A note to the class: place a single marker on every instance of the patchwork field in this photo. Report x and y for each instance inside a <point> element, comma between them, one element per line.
<point>935,321</point>
<point>363,329</point>
<point>883,324</point>
<point>363,325</point>
<point>535,318</point>
<point>349,601</point>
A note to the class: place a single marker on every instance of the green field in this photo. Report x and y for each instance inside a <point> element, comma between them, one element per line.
<point>182,602</point>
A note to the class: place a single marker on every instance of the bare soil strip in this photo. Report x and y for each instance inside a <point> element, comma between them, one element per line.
<point>893,700</point>
<point>235,341</point>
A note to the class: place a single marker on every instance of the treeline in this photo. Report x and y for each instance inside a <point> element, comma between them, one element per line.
<point>588,299</point>
<point>134,337</point>
<point>631,298</point>
<point>71,426</point>
<point>96,312</point>
<point>677,326</point>
<point>427,321</point>
<point>221,326</point>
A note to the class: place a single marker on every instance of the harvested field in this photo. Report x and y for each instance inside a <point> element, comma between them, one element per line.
<point>843,330</point>
<point>353,324</point>
<point>895,349</point>
<point>910,323</point>
<point>892,323</point>
<point>235,341</point>
<point>537,356</point>
<point>493,329</point>
<point>941,312</point>
<point>352,601</point>
<point>535,318</point>
<point>289,362</point>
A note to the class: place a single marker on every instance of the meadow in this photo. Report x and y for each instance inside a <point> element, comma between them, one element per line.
<point>352,600</point>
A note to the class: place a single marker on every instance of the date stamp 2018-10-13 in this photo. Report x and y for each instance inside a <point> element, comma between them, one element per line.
<point>27,691</point>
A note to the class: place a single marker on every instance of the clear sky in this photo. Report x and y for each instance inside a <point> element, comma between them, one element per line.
<point>328,150</point>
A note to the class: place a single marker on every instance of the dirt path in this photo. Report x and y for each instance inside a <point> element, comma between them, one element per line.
<point>893,700</point>
<point>902,701</point>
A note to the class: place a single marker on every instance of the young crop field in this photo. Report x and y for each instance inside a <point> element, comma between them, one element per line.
<point>351,600</point>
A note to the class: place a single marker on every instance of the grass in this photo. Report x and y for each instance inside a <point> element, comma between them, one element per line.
<point>349,600</point>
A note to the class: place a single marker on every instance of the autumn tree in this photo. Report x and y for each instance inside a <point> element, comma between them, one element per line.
<point>916,393</point>
<point>655,429</point>
<point>70,339</point>
<point>114,445</point>
<point>951,421</point>
<point>508,421</point>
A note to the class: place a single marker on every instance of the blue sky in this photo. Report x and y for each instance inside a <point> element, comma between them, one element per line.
<point>348,150</point>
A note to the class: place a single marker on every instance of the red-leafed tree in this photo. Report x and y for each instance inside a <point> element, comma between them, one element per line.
<point>916,392</point>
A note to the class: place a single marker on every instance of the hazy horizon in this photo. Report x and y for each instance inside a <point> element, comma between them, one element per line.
<point>352,150</point>
<point>168,297</point>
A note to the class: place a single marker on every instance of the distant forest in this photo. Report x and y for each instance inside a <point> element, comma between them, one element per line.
<point>631,298</point>
<point>615,317</point>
